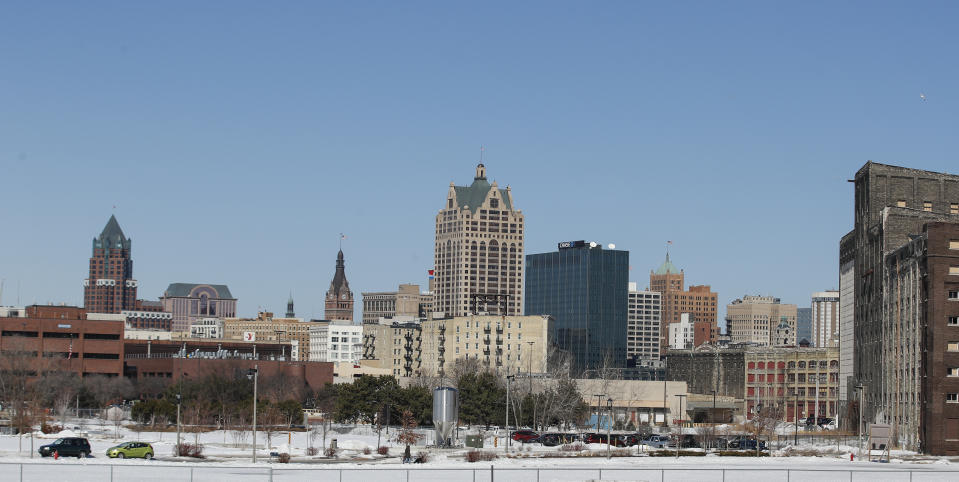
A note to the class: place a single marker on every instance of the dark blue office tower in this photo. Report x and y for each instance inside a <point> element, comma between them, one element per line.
<point>585,289</point>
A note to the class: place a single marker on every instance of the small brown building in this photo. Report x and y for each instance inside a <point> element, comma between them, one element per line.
<point>62,338</point>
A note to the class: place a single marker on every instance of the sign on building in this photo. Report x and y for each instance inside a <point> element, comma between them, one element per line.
<point>249,336</point>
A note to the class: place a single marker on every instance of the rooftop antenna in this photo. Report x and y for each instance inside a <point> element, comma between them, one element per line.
<point>1,291</point>
<point>342,237</point>
<point>18,292</point>
<point>482,152</point>
<point>668,244</point>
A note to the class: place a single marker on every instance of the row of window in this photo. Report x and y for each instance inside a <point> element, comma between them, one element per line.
<point>927,206</point>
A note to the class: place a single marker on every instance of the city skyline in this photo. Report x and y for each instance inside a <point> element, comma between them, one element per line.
<point>239,161</point>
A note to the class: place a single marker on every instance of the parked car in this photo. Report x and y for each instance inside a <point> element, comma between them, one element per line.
<point>554,439</point>
<point>719,443</point>
<point>594,438</point>
<point>131,450</point>
<point>743,442</point>
<point>67,447</point>
<point>659,441</point>
<point>524,436</point>
<point>626,440</point>
<point>689,442</point>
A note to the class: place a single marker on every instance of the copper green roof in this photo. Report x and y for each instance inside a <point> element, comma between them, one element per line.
<point>112,236</point>
<point>474,195</point>
<point>667,267</point>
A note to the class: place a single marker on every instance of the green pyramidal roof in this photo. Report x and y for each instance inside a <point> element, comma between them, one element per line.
<point>667,267</point>
<point>474,195</point>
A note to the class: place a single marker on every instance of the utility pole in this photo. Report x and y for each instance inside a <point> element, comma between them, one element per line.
<point>254,374</point>
<point>609,428</point>
<point>509,378</point>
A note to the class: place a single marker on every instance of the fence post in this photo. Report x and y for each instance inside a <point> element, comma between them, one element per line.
<point>490,472</point>
<point>724,475</point>
<point>111,473</point>
<point>21,472</point>
<point>662,475</point>
<point>787,476</point>
<point>600,474</point>
<point>191,474</point>
<point>271,473</point>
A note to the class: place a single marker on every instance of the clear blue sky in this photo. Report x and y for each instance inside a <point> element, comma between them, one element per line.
<point>237,139</point>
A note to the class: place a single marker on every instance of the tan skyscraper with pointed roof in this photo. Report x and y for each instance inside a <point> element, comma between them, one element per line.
<point>478,251</point>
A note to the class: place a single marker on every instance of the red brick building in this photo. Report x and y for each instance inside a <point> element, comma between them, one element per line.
<point>110,287</point>
<point>61,338</point>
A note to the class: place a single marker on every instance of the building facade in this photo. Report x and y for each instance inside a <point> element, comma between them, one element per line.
<point>110,287</point>
<point>585,289</point>
<point>188,302</point>
<point>506,344</point>
<point>893,208</point>
<point>681,334</point>
<point>63,338</point>
<point>293,332</point>
<point>700,302</point>
<point>478,251</point>
<point>207,328</point>
<point>407,301</point>
<point>339,298</point>
<point>847,346</point>
<point>790,381</point>
<point>643,326</point>
<point>755,319</point>
<point>804,324</point>
<point>394,345</point>
<point>337,341</point>
<point>825,319</point>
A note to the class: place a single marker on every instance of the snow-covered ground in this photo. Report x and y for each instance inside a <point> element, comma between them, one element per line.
<point>229,459</point>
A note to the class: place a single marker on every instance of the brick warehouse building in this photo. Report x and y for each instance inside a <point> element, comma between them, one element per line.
<point>63,338</point>
<point>67,338</point>
<point>898,247</point>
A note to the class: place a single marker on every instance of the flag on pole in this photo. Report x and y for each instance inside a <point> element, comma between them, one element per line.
<point>669,242</point>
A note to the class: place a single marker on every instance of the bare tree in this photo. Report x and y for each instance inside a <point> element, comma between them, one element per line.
<point>764,423</point>
<point>407,435</point>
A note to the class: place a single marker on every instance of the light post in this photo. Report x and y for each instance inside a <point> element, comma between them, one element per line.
<point>178,398</point>
<point>679,437</point>
<point>509,379</point>
<point>609,428</point>
<point>529,375</point>
<point>860,388</point>
<point>254,374</point>
<point>599,403</point>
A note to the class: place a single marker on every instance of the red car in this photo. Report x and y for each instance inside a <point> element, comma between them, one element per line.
<point>525,436</point>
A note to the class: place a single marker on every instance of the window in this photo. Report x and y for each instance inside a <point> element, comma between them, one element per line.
<point>953,372</point>
<point>952,346</point>
<point>954,321</point>
<point>954,244</point>
<point>901,203</point>
<point>927,206</point>
<point>954,295</point>
<point>954,208</point>
<point>952,398</point>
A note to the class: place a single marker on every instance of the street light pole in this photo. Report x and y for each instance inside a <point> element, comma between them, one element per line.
<point>529,374</point>
<point>254,374</point>
<point>679,437</point>
<point>609,428</point>
<point>860,388</point>
<point>178,397</point>
<point>509,379</point>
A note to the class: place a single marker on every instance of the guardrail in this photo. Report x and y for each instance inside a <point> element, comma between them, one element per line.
<point>63,470</point>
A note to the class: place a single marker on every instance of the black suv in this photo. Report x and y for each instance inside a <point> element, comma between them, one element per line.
<point>70,446</point>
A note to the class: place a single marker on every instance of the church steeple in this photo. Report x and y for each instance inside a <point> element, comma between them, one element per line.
<point>289,307</point>
<point>339,298</point>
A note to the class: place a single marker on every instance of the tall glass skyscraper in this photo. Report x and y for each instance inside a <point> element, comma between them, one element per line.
<point>585,289</point>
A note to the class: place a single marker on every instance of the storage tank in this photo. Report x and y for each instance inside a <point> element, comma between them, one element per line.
<point>445,414</point>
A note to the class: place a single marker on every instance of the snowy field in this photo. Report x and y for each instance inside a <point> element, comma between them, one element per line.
<point>228,458</point>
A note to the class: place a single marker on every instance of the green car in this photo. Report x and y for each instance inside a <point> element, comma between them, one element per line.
<point>131,450</point>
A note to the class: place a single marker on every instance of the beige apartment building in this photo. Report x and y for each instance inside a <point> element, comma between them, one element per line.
<point>294,331</point>
<point>407,301</point>
<point>395,345</point>
<point>510,344</point>
<point>507,344</point>
<point>758,319</point>
<point>478,252</point>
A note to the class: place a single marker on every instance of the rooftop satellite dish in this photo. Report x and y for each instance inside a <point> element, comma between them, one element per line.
<point>611,246</point>
<point>592,244</point>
